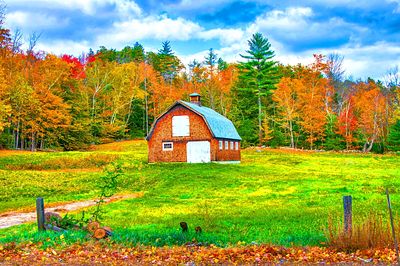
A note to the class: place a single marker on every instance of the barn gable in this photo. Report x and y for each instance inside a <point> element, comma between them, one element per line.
<point>220,126</point>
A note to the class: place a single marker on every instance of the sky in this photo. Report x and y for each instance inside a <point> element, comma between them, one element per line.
<point>365,32</point>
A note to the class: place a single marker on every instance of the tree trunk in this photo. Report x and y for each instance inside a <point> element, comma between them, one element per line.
<point>22,143</point>
<point>291,134</point>
<point>33,141</point>
<point>17,136</point>
<point>371,144</point>
<point>259,118</point>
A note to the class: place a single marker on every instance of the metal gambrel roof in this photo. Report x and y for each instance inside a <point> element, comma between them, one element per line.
<point>220,126</point>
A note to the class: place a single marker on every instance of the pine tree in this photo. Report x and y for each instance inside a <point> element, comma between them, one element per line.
<point>393,141</point>
<point>259,73</point>
<point>167,63</point>
<point>210,62</point>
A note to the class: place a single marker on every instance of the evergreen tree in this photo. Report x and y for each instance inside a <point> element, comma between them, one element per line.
<point>393,141</point>
<point>222,65</point>
<point>167,63</point>
<point>166,49</point>
<point>259,73</point>
<point>210,62</point>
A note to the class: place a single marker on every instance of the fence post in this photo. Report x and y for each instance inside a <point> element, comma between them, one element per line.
<point>396,247</point>
<point>40,213</point>
<point>348,214</point>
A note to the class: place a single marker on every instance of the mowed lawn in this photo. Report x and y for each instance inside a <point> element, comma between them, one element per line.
<point>274,196</point>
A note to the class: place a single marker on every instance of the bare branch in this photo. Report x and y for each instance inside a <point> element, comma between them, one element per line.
<point>33,39</point>
<point>392,78</point>
<point>335,64</point>
<point>17,41</point>
<point>2,12</point>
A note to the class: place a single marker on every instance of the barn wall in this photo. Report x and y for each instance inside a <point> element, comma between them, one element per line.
<point>163,132</point>
<point>225,155</point>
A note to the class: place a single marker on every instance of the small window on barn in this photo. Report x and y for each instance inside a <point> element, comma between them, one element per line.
<point>232,145</point>
<point>180,126</point>
<point>236,145</point>
<point>221,145</point>
<point>226,145</point>
<point>167,146</point>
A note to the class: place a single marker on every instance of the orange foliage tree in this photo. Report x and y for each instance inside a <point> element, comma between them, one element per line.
<point>313,99</point>
<point>370,105</point>
<point>286,98</point>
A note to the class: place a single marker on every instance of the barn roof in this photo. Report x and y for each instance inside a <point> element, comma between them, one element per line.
<point>220,126</point>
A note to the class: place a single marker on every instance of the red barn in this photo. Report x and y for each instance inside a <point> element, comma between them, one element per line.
<point>190,132</point>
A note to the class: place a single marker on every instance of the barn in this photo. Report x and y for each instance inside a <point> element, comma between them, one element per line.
<point>190,132</point>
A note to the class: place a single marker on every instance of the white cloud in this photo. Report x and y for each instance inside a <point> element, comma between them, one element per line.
<point>165,28</point>
<point>60,47</point>
<point>297,24</point>
<point>89,7</point>
<point>31,21</point>
<point>226,36</point>
<point>160,28</point>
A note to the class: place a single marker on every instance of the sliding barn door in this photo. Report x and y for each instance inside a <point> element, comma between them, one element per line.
<point>198,152</point>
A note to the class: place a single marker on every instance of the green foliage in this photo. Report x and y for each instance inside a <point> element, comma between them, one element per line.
<point>260,71</point>
<point>259,74</point>
<point>278,138</point>
<point>165,62</point>
<point>107,186</point>
<point>333,141</point>
<point>166,49</point>
<point>132,54</point>
<point>393,141</point>
<point>210,59</point>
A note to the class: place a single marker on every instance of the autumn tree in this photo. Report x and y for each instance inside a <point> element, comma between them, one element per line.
<point>313,100</point>
<point>347,122</point>
<point>286,98</point>
<point>259,73</point>
<point>5,108</point>
<point>370,106</point>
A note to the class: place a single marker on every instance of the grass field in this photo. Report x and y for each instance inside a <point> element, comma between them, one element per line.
<point>274,196</point>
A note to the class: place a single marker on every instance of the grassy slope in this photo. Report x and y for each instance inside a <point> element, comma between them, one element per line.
<point>272,196</point>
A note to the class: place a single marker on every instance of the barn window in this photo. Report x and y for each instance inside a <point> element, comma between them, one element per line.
<point>226,145</point>
<point>231,145</point>
<point>180,126</point>
<point>237,145</point>
<point>221,145</point>
<point>167,146</point>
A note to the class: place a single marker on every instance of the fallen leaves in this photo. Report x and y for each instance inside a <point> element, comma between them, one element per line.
<point>108,253</point>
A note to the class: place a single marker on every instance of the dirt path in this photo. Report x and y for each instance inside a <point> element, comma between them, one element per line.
<point>14,218</point>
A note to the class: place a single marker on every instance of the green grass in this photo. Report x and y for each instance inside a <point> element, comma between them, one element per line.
<point>273,196</point>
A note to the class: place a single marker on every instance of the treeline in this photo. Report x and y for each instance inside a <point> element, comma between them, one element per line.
<point>51,102</point>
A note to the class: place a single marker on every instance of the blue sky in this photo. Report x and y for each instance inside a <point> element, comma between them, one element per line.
<point>366,33</point>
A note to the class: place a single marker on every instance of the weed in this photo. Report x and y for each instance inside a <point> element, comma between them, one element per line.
<point>372,232</point>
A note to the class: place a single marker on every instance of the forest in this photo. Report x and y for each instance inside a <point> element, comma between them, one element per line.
<point>63,102</point>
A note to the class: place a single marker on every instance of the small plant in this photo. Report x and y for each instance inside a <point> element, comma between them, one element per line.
<point>108,186</point>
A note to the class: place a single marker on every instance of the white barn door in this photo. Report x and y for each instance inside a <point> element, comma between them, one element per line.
<point>198,152</point>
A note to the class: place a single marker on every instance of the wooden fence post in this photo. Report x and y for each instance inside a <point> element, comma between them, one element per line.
<point>348,214</point>
<point>40,213</point>
<point>396,247</point>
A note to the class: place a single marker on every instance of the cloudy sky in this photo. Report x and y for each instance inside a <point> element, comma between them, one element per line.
<point>365,32</point>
